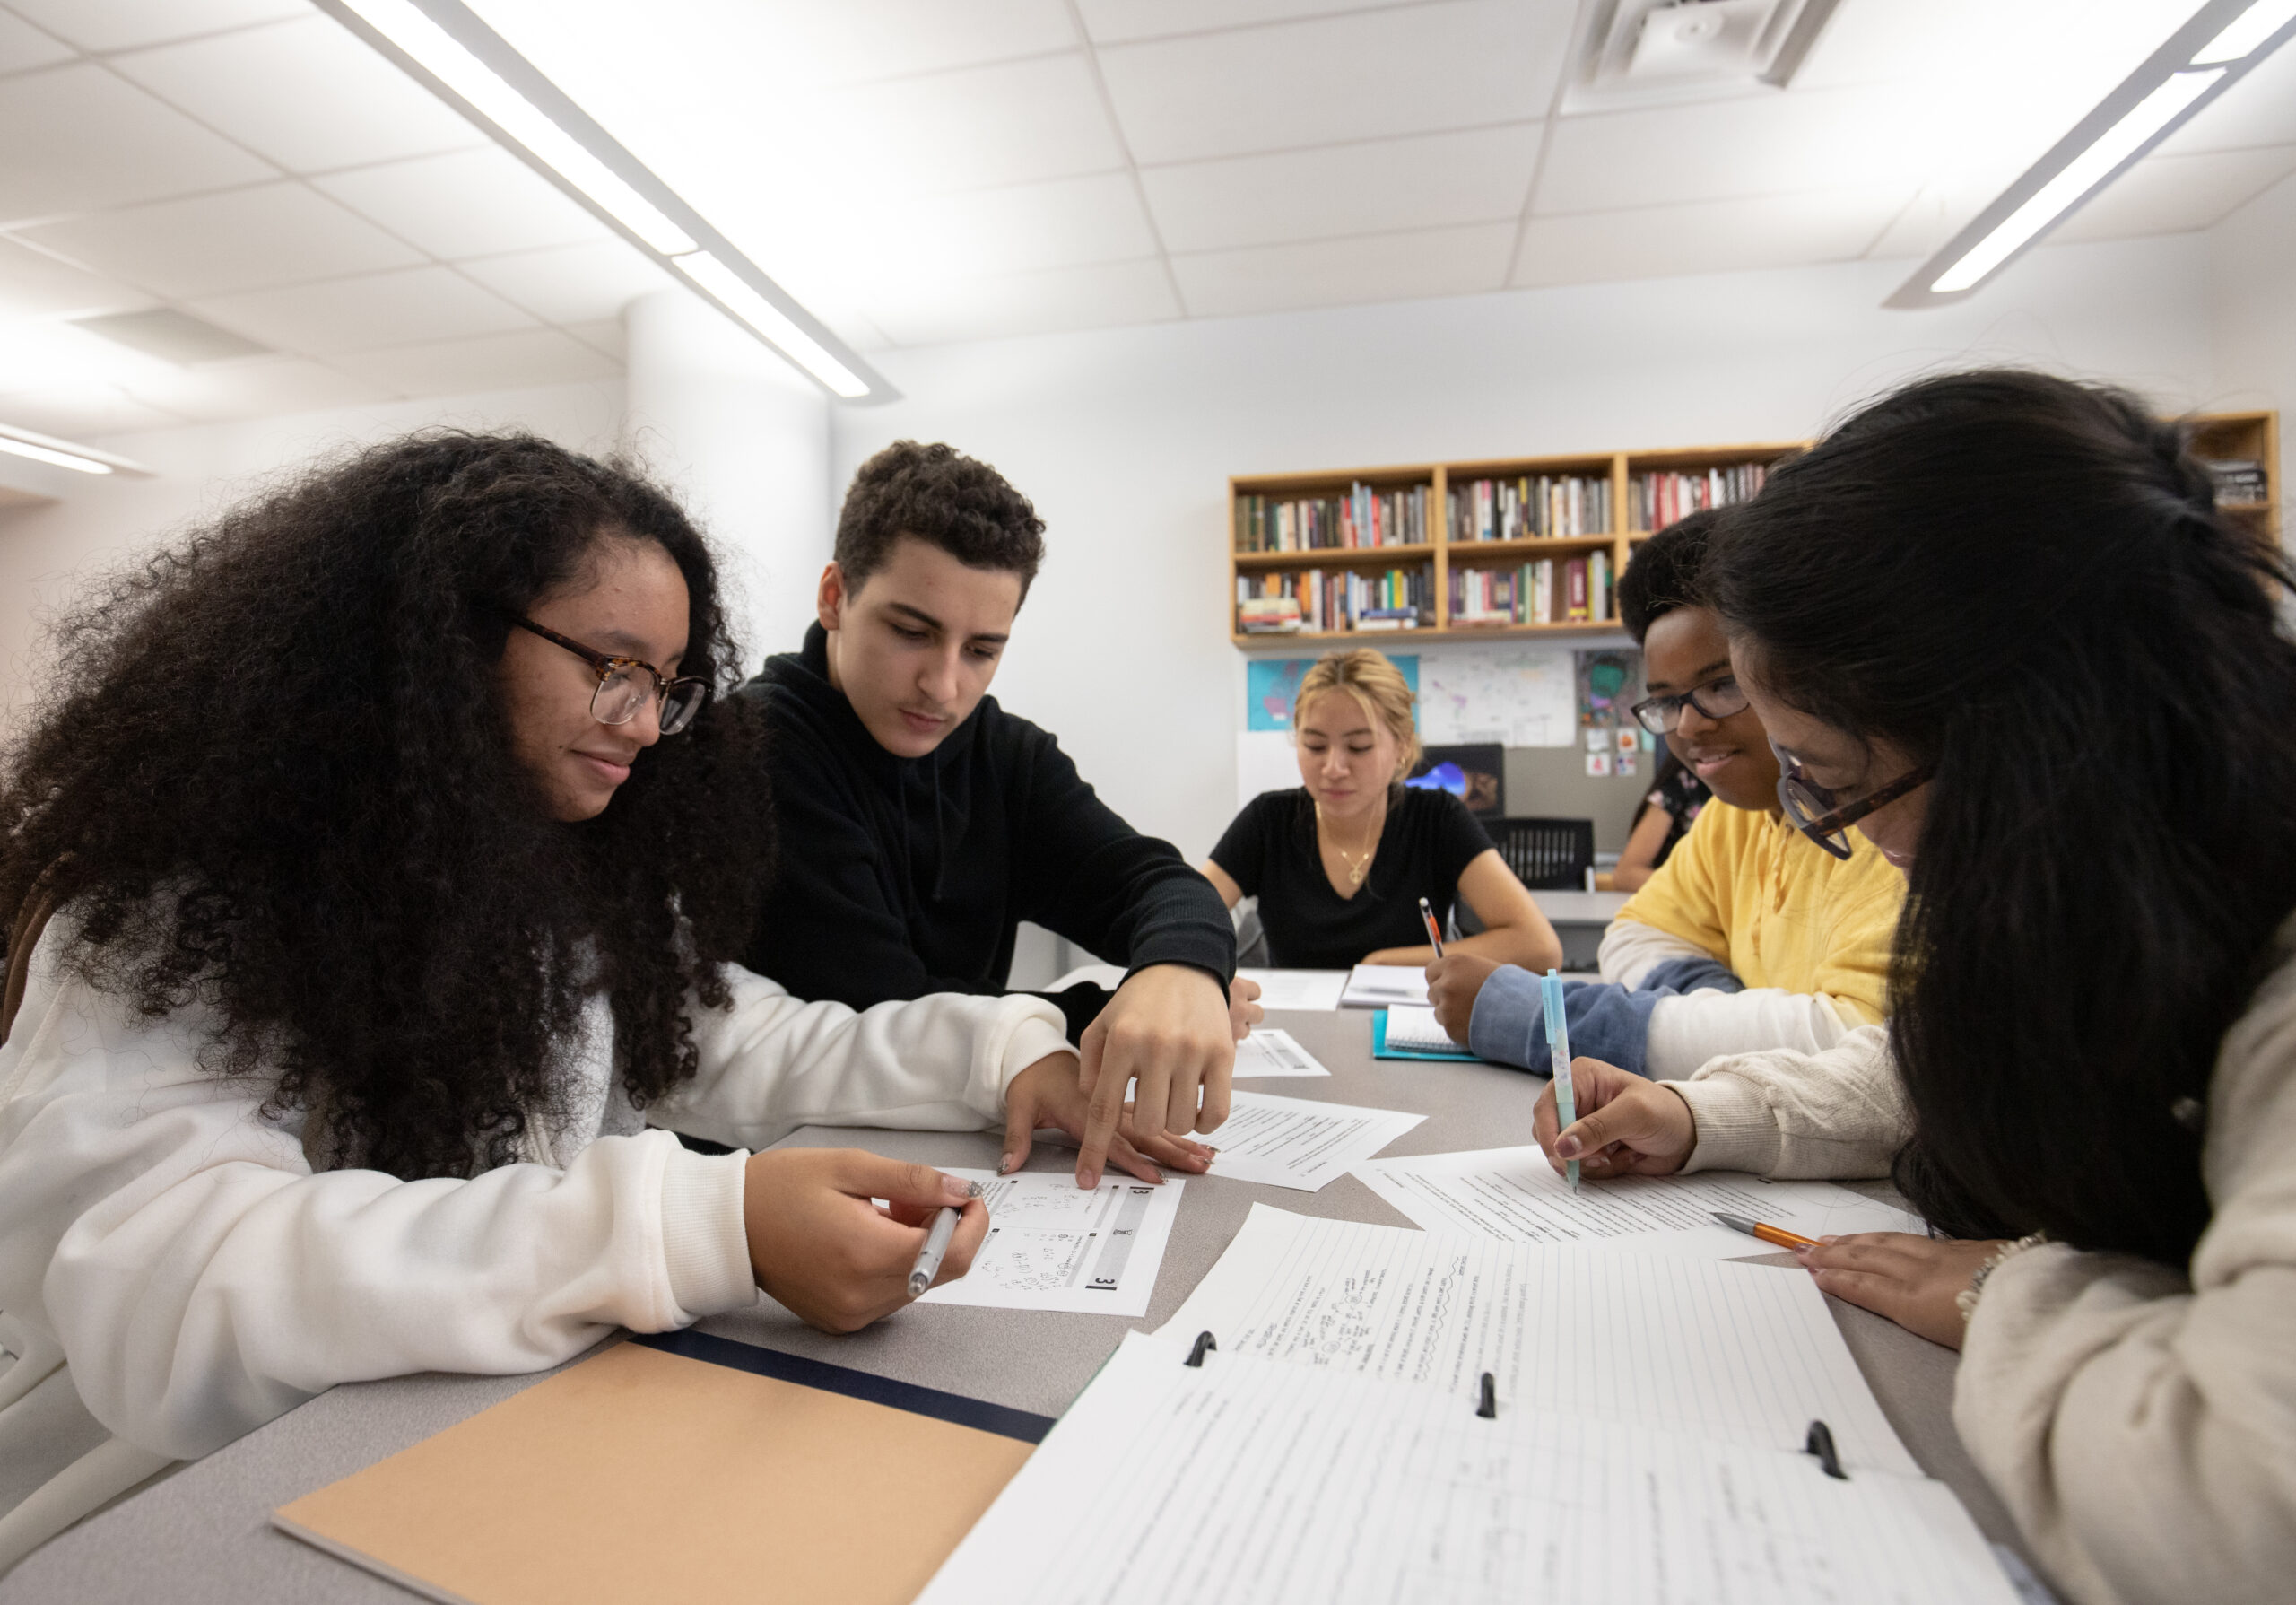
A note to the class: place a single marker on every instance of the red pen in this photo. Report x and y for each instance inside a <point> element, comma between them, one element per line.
<point>1433,934</point>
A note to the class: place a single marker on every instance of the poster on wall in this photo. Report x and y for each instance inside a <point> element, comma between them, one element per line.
<point>1513,695</point>
<point>1609,683</point>
<point>1271,684</point>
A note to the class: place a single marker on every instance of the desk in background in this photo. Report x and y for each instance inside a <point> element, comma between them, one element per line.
<point>202,1537</point>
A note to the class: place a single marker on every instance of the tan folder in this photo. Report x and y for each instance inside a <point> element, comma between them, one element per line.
<point>681,1468</point>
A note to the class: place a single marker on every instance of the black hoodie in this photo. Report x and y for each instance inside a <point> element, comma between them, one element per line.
<point>901,877</point>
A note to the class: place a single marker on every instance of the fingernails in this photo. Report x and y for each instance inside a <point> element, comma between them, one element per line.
<point>1828,1240</point>
<point>957,1187</point>
<point>1004,1166</point>
<point>1569,1146</point>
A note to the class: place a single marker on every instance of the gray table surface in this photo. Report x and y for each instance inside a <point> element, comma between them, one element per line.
<point>202,1534</point>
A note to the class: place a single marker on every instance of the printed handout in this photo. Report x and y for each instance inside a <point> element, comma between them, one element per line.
<point>1270,1052</point>
<point>1052,1246</point>
<point>1514,1196</point>
<point>1291,1142</point>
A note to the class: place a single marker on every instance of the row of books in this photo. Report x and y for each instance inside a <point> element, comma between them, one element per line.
<point>2240,483</point>
<point>1344,599</point>
<point>1531,507</point>
<point>1364,516</point>
<point>1568,591</point>
<point>1659,497</point>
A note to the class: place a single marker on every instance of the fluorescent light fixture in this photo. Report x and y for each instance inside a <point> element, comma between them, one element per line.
<point>2217,45</point>
<point>442,55</point>
<point>2052,199</point>
<point>64,454</point>
<point>737,296</point>
<point>446,46</point>
<point>2251,29</point>
<point>45,454</point>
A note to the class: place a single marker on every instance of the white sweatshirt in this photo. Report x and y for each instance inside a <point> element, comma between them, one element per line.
<point>201,1279</point>
<point>2140,1422</point>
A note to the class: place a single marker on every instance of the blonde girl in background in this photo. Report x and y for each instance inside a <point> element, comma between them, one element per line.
<point>1340,863</point>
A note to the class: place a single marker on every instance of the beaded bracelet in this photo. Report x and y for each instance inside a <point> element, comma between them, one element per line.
<point>1965,1300</point>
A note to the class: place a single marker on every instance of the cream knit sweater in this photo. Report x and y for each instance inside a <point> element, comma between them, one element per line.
<point>2140,1423</point>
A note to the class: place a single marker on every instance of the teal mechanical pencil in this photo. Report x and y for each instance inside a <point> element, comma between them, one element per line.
<point>1558,1052</point>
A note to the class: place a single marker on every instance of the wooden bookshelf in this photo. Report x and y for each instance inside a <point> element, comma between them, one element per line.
<point>2218,437</point>
<point>1616,472</point>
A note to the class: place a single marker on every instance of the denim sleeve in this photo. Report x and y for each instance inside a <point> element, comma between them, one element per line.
<point>1606,1022</point>
<point>1690,975</point>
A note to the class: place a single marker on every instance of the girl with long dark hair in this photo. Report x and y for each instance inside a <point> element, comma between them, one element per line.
<point>1994,624</point>
<point>376,869</point>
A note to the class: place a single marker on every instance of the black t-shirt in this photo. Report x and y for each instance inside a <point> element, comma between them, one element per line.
<point>1270,851</point>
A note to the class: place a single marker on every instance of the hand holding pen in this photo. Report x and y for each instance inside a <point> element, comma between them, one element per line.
<point>1626,1126</point>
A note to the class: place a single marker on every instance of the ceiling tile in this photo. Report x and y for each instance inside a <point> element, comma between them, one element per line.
<point>307,94</point>
<point>480,202</point>
<point>1114,22</point>
<point>1413,70</point>
<point>1025,227</point>
<point>2169,194</point>
<point>1423,262</point>
<point>2260,109</point>
<point>1780,231</point>
<point>256,387</point>
<point>1018,122</point>
<point>75,138</point>
<point>35,285</point>
<point>489,362</point>
<point>123,24</point>
<point>1028,303</point>
<point>1768,144</point>
<point>82,412</point>
<point>240,240</point>
<point>572,283</point>
<point>23,46</point>
<point>415,305</point>
<point>1377,186</point>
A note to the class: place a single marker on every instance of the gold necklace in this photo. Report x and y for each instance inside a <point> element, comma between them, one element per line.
<point>1357,868</point>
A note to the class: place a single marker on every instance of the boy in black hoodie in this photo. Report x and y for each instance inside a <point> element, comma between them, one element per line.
<point>920,822</point>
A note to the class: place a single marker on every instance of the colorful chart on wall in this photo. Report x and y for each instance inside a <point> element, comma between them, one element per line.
<point>1609,683</point>
<point>1270,683</point>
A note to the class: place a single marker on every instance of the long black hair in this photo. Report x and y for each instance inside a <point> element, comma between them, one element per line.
<point>274,781</point>
<point>2025,582</point>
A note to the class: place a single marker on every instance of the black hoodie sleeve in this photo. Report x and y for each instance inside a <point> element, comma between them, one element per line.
<point>1086,875</point>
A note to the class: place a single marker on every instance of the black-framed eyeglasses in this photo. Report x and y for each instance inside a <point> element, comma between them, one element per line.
<point>1819,813</point>
<point>626,685</point>
<point>1718,699</point>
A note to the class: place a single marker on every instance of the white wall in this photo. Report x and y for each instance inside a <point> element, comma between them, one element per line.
<point>744,439</point>
<point>2252,304</point>
<point>1125,439</point>
<point>48,552</point>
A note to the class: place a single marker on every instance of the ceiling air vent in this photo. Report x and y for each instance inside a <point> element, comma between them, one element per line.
<point>170,336</point>
<point>1641,51</point>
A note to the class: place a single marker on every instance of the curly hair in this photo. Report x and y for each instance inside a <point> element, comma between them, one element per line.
<point>273,778</point>
<point>941,496</point>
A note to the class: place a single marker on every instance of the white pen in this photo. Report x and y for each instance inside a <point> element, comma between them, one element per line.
<point>936,1243</point>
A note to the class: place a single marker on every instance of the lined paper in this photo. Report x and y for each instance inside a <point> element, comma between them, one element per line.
<point>1743,1354</point>
<point>1513,1195</point>
<point>1252,1482</point>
